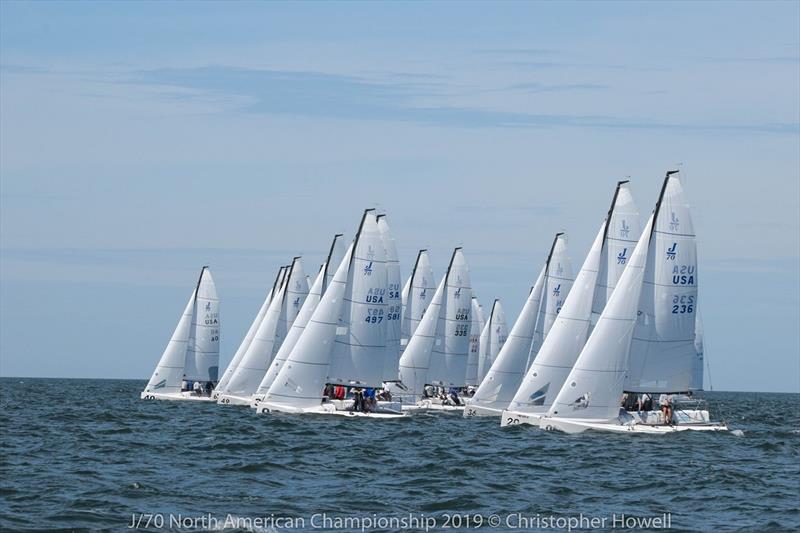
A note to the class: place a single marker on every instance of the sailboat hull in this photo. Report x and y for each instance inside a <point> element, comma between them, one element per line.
<point>175,396</point>
<point>433,405</point>
<point>230,399</point>
<point>327,408</point>
<point>513,418</point>
<point>479,410</point>
<point>616,426</point>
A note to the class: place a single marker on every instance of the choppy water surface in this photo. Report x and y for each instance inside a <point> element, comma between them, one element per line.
<point>89,454</point>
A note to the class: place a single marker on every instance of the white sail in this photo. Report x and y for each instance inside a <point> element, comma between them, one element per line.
<point>622,233</point>
<point>393,302</point>
<point>314,296</point>
<point>404,335</point>
<point>301,380</point>
<point>360,348</point>
<point>416,358</point>
<point>697,368</point>
<point>557,282</point>
<point>493,337</point>
<point>476,327</point>
<point>564,341</point>
<point>294,296</point>
<point>663,352</point>
<point>422,285</point>
<point>256,360</point>
<point>202,353</point>
<point>448,365</point>
<point>248,338</point>
<point>504,377</point>
<point>168,374</point>
<point>593,388</point>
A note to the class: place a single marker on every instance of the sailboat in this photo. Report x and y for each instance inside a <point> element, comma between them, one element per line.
<point>569,332</point>
<point>288,298</point>
<point>477,324</point>
<point>248,338</point>
<point>493,337</point>
<point>650,314</point>
<point>344,342</point>
<point>435,361</point>
<point>189,366</point>
<point>321,283</point>
<point>505,375</point>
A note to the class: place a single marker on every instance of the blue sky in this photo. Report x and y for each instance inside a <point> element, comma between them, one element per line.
<point>139,141</point>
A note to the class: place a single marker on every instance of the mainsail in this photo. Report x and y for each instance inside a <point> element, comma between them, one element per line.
<point>662,352</point>
<point>421,286</point>
<point>557,284</point>
<point>623,229</point>
<point>202,352</point>
<point>393,302</point>
<point>416,358</point>
<point>448,359</point>
<point>475,329</point>
<point>493,337</point>
<point>360,347</point>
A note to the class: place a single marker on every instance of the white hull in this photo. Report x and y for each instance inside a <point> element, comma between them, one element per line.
<point>175,396</point>
<point>327,408</point>
<point>230,399</point>
<point>513,418</point>
<point>615,426</point>
<point>479,410</point>
<point>649,423</point>
<point>433,405</point>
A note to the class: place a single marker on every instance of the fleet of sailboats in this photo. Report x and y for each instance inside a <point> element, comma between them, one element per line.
<point>618,347</point>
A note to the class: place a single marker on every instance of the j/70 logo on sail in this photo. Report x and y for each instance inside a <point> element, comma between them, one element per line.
<point>625,230</point>
<point>557,290</point>
<point>672,251</point>
<point>674,222</point>
<point>621,258</point>
<point>368,269</point>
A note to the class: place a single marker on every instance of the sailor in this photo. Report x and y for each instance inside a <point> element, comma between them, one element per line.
<point>358,399</point>
<point>198,388</point>
<point>369,399</point>
<point>454,396</point>
<point>328,391</point>
<point>645,402</point>
<point>209,388</point>
<point>665,402</point>
<point>631,402</point>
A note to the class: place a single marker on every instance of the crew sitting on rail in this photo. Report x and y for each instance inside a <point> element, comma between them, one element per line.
<point>665,402</point>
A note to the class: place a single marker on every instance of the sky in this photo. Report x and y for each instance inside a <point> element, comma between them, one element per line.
<point>140,141</point>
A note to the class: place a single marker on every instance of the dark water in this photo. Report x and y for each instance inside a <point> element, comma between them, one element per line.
<point>88,454</point>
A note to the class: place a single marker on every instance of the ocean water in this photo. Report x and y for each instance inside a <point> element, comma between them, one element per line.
<point>89,454</point>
